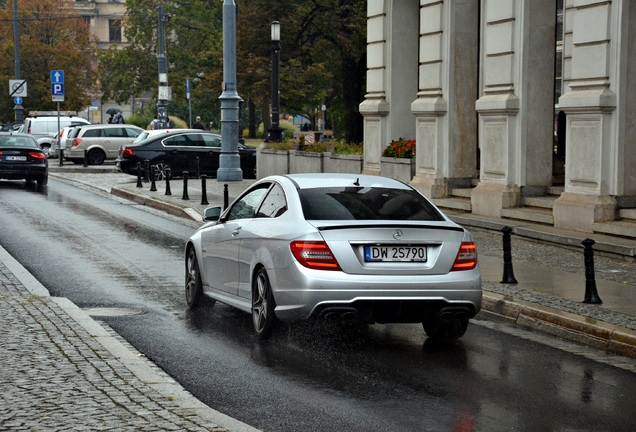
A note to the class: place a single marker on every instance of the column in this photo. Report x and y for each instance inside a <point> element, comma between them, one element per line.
<point>600,148</point>
<point>391,77</point>
<point>445,117</point>
<point>516,104</point>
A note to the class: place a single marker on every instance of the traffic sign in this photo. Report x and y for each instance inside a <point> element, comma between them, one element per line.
<point>57,85</point>
<point>57,76</point>
<point>17,100</point>
<point>17,88</point>
<point>57,89</point>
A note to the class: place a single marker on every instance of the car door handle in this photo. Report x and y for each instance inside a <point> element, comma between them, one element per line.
<point>236,231</point>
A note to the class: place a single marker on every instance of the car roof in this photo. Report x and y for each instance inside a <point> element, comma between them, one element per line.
<point>313,180</point>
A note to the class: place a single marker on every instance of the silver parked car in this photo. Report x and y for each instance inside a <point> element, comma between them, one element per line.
<point>336,246</point>
<point>98,142</point>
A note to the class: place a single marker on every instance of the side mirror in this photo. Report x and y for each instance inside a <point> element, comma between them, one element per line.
<point>212,214</point>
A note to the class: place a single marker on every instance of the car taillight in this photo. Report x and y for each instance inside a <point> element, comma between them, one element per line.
<point>126,152</point>
<point>314,255</point>
<point>37,155</point>
<point>466,257</point>
<point>76,142</point>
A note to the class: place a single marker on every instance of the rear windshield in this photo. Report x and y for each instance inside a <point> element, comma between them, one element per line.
<point>357,203</point>
<point>18,141</point>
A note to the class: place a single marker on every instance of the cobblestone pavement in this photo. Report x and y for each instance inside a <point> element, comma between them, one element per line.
<point>61,371</point>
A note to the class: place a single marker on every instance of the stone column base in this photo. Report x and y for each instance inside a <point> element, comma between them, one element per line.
<point>430,187</point>
<point>575,211</point>
<point>488,198</point>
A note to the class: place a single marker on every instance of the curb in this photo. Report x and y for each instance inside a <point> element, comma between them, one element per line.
<point>565,325</point>
<point>145,200</point>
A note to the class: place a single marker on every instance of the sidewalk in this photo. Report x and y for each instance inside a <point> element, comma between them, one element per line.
<point>63,371</point>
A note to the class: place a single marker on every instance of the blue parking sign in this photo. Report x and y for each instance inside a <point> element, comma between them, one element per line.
<point>57,89</point>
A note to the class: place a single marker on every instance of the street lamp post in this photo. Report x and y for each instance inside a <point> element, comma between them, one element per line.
<point>163,95</point>
<point>229,160</point>
<point>275,133</point>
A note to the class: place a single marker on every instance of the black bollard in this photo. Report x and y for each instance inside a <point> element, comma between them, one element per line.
<point>153,185</point>
<point>146,170</point>
<point>139,175</point>
<point>85,158</point>
<point>167,174</point>
<point>204,191</point>
<point>185,186</point>
<point>61,156</point>
<point>226,196</point>
<point>508,273</point>
<point>591,295</point>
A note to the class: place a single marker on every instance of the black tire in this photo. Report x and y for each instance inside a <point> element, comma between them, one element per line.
<point>162,169</point>
<point>193,284</point>
<point>42,180</point>
<point>263,316</point>
<point>95,157</point>
<point>450,329</point>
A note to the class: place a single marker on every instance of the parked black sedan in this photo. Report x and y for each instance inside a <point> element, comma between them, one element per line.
<point>21,158</point>
<point>173,153</point>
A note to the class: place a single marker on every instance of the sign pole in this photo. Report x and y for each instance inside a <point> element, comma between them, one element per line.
<point>59,145</point>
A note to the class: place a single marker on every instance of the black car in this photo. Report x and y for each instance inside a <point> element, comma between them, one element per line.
<point>22,159</point>
<point>173,153</point>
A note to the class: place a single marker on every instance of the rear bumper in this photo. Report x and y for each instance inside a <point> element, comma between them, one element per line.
<point>395,298</point>
<point>18,172</point>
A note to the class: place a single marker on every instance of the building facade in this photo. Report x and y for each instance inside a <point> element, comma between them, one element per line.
<point>105,18</point>
<point>512,103</point>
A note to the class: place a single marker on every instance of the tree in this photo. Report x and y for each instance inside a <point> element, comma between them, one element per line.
<point>193,48</point>
<point>58,40</point>
<point>323,48</point>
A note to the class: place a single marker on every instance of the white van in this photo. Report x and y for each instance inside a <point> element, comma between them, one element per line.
<point>44,129</point>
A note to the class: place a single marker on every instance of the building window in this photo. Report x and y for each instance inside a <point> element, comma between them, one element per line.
<point>558,70</point>
<point>114,30</point>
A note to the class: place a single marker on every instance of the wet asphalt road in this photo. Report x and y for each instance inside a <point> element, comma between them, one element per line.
<point>101,252</point>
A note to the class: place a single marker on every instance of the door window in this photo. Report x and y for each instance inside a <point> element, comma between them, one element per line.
<point>246,206</point>
<point>115,133</point>
<point>274,203</point>
<point>212,140</point>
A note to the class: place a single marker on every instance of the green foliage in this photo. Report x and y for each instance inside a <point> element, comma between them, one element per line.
<point>401,148</point>
<point>47,42</point>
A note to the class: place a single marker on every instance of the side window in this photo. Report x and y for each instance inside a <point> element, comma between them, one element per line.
<point>246,206</point>
<point>132,132</point>
<point>176,141</point>
<point>92,133</point>
<point>114,133</point>
<point>195,140</point>
<point>274,203</point>
<point>211,140</point>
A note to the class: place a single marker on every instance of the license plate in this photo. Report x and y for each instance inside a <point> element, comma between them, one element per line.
<point>395,253</point>
<point>16,158</point>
